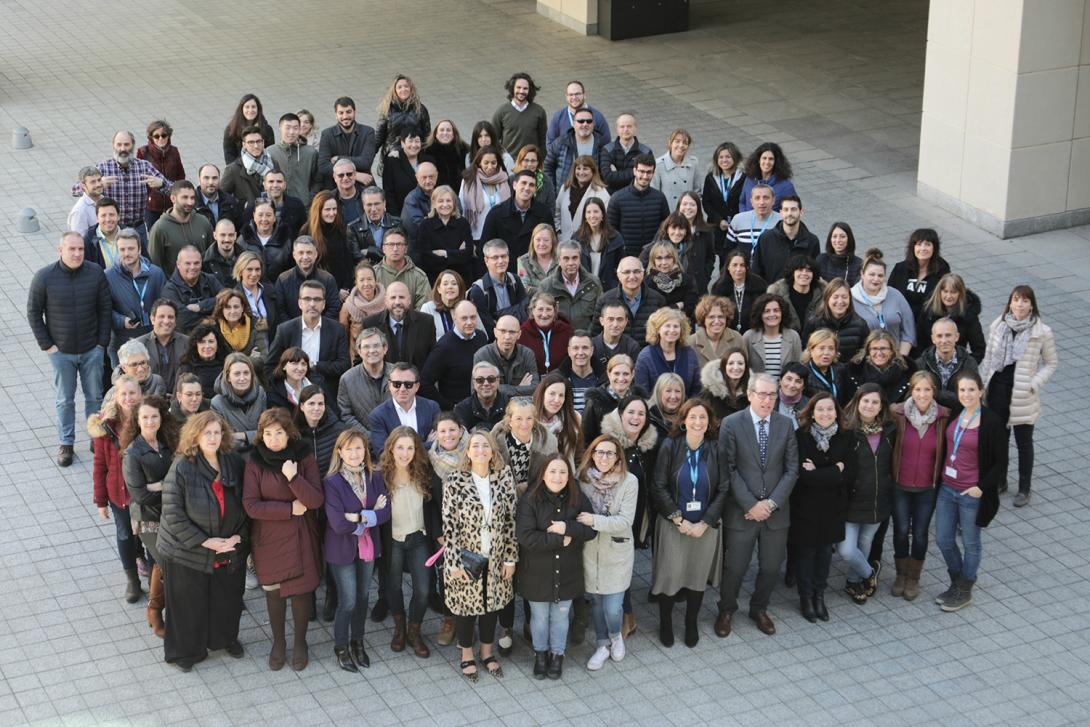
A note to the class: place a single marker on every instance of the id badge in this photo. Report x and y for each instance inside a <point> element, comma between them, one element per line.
<point>692,506</point>
<point>952,472</point>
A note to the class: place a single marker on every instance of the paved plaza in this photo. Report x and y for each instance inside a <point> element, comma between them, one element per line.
<point>837,84</point>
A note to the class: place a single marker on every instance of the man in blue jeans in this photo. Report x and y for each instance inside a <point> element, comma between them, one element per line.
<point>69,309</point>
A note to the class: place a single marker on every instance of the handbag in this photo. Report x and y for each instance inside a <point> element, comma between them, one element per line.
<point>473,563</point>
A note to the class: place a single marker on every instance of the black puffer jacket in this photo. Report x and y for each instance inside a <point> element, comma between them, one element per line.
<point>548,570</point>
<point>70,309</point>
<point>637,214</point>
<point>399,118</point>
<point>191,514</point>
<point>321,438</point>
<point>893,380</point>
<point>870,497</point>
<point>275,254</point>
<point>202,293</point>
<point>141,465</point>
<point>851,331</point>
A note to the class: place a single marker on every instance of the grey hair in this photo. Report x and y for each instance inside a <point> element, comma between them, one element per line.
<point>485,365</point>
<point>89,172</point>
<point>754,379</point>
<point>129,349</point>
<point>570,245</point>
<point>128,233</point>
<point>374,191</point>
<point>493,246</point>
<point>369,333</point>
<point>345,163</point>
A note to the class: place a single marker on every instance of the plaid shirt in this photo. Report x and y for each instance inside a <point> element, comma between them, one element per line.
<point>128,189</point>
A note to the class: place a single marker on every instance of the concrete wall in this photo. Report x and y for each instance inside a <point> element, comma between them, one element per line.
<point>579,15</point>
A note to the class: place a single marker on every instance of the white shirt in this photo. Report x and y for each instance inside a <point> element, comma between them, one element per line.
<point>484,492</point>
<point>757,424</point>
<point>82,217</point>
<point>407,417</point>
<point>311,341</point>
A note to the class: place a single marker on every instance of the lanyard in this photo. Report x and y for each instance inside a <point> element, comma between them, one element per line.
<point>959,432</point>
<point>753,240</point>
<point>739,295</point>
<point>877,311</point>
<point>830,383</point>
<point>141,292</point>
<point>490,198</point>
<point>547,337</point>
<point>724,188</point>
<point>693,458</point>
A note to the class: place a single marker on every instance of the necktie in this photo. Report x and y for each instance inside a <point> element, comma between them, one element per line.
<point>762,440</point>
<point>397,335</point>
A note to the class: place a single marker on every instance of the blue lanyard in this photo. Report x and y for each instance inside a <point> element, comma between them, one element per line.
<point>959,432</point>
<point>753,240</point>
<point>141,292</point>
<point>868,301</point>
<point>693,458</point>
<point>546,336</point>
<point>723,186</point>
<point>490,198</point>
<point>830,383</point>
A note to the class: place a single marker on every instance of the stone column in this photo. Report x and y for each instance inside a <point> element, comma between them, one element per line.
<point>578,15</point>
<point>1005,133</point>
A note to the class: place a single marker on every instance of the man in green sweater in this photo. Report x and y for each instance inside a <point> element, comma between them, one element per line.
<point>520,121</point>
<point>178,227</point>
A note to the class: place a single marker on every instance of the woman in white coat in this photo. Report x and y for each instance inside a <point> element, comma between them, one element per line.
<point>607,559</point>
<point>584,182</point>
<point>1020,358</point>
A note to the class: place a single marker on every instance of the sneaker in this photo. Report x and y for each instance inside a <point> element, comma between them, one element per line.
<point>599,658</point>
<point>142,568</point>
<point>960,598</point>
<point>616,647</point>
<point>506,643</point>
<point>251,575</point>
<point>1021,499</point>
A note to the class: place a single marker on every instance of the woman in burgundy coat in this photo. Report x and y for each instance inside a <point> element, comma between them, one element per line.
<point>163,156</point>
<point>281,492</point>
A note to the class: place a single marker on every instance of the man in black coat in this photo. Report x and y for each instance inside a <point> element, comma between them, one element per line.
<point>495,284</point>
<point>639,301</point>
<point>445,377</point>
<point>945,359</point>
<point>612,339</point>
<point>409,333</point>
<point>191,290</point>
<point>514,220</point>
<point>788,238</point>
<point>305,254</point>
<point>346,140</point>
<point>213,203</point>
<point>622,153</point>
<point>486,406</point>
<point>69,310</point>
<point>324,340</point>
<point>290,211</point>
<point>638,210</point>
<point>220,257</point>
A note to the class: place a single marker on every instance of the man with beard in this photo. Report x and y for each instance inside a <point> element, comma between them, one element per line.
<point>82,216</point>
<point>219,259</point>
<point>346,140</point>
<point>127,179</point>
<point>178,227</point>
<point>520,121</point>
<point>212,203</point>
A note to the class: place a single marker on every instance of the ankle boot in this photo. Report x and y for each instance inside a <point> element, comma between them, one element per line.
<point>156,601</point>
<point>133,591</point>
<point>359,654</point>
<point>300,616</point>
<point>898,588</point>
<point>278,609</point>
<point>446,632</point>
<point>397,643</point>
<point>806,607</point>
<point>417,641</point>
<point>912,580</point>
<point>819,606</point>
<point>541,664</point>
<point>666,620</point>
<point>962,596</point>
<point>344,659</point>
<point>949,592</point>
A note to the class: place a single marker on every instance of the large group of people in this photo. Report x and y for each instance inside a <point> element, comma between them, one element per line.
<point>503,365</point>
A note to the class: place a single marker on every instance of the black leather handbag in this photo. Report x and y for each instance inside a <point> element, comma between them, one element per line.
<point>474,564</point>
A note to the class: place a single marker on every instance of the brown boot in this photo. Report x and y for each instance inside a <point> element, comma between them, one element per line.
<point>156,601</point>
<point>628,625</point>
<point>446,632</point>
<point>301,608</point>
<point>398,642</point>
<point>278,611</point>
<point>417,641</point>
<point>902,574</point>
<point>912,580</point>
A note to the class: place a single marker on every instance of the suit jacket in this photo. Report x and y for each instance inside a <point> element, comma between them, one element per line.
<point>383,420</point>
<point>506,223</point>
<point>417,336</point>
<point>332,354</point>
<point>749,482</point>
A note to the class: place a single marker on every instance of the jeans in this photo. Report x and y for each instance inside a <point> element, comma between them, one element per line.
<point>414,552</point>
<point>352,581</point>
<point>549,625</point>
<point>608,612</point>
<point>912,511</point>
<point>953,511</point>
<point>854,549</point>
<point>66,367</point>
<point>812,568</point>
<point>128,547</point>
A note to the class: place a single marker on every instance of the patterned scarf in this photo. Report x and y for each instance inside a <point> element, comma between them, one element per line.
<point>1014,340</point>
<point>602,491</point>
<point>261,165</point>
<point>444,462</point>
<point>667,282</point>
<point>356,478</point>
<point>920,421</point>
<point>822,435</point>
<point>359,307</point>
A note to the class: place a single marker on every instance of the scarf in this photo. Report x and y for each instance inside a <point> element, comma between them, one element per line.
<point>356,478</point>
<point>874,427</point>
<point>539,181</point>
<point>920,421</point>
<point>260,166</point>
<point>237,337</point>
<point>359,307</point>
<point>476,204</point>
<point>575,196</point>
<point>1014,340</point>
<point>269,459</point>
<point>666,282</point>
<point>444,462</point>
<point>792,400</point>
<point>603,489</point>
<point>822,435</point>
<point>871,301</point>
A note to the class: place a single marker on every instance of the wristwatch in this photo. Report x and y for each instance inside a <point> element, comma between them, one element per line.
<point>772,506</point>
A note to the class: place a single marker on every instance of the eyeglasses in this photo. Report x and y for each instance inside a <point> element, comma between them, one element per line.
<point>766,395</point>
<point>394,244</point>
<point>253,142</point>
<point>605,453</point>
<point>160,136</point>
<point>486,379</point>
<point>403,384</point>
<point>344,175</point>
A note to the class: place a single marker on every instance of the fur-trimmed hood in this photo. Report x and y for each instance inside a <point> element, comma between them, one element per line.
<point>611,425</point>
<point>97,426</point>
<point>711,378</point>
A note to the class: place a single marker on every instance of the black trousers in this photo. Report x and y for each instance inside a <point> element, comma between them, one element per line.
<point>812,567</point>
<point>203,611</point>
<point>486,622</point>
<point>877,546</point>
<point>999,401</point>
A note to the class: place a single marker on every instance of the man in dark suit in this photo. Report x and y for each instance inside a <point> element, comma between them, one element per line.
<point>760,446</point>
<point>403,408</point>
<point>322,338</point>
<point>514,221</point>
<point>409,333</point>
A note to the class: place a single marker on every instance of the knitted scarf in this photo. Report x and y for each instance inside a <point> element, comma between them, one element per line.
<point>603,489</point>
<point>359,307</point>
<point>822,435</point>
<point>920,421</point>
<point>236,336</point>
<point>1013,341</point>
<point>261,165</point>
<point>476,205</point>
<point>444,462</point>
<point>667,282</point>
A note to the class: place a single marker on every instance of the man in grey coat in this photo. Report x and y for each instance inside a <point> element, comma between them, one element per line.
<point>514,362</point>
<point>759,445</point>
<point>364,386</point>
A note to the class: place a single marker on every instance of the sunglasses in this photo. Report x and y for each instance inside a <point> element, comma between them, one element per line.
<point>160,136</point>
<point>584,121</point>
<point>486,379</point>
<point>342,175</point>
<point>403,384</point>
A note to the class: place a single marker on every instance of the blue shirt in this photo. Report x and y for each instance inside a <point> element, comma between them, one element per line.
<point>633,303</point>
<point>503,300</point>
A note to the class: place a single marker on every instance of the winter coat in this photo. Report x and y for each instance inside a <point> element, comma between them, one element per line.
<point>675,179</point>
<point>780,188</point>
<point>650,301</point>
<point>1031,372</point>
<point>109,480</point>
<point>285,546</point>
<point>754,287</point>
<point>780,288</point>
<point>505,222</point>
<point>946,395</point>
<point>847,268</point>
<point>640,455</point>
<point>559,334</point>
<point>611,258</point>
<point>673,454</point>
<point>716,393</point>
<point>229,208</point>
<point>275,254</point>
<point>70,308</point>
<point>357,145</point>
<point>608,558</point>
<point>970,334</point>
<point>893,380</point>
<point>399,118</point>
<point>915,290</point>
<point>707,350</point>
<point>512,370</point>
<point>320,439</point>
<point>530,272</point>
<point>790,348</point>
<point>129,304</point>
<point>219,267</point>
<point>561,155</point>
<point>775,248</point>
<point>207,371</point>
<point>445,376</point>
<point>870,495</point>
<point>240,410</point>
<point>550,571</point>
<point>482,293</point>
<point>290,282</point>
<point>625,163</point>
<point>341,543</point>
<point>598,403</point>
<point>542,446</point>
<point>454,237</point>
<point>992,454</point>
<point>232,146</point>
<point>835,382</point>
<point>683,296</point>
<point>463,520</point>
<point>202,292</point>
<point>578,309</point>
<point>398,179</point>
<point>472,413</point>
<point>566,221</point>
<point>141,465</point>
<point>191,513</point>
<point>636,215</point>
<point>819,500</point>
<point>651,364</point>
<point>299,163</point>
<point>412,276</point>
<point>719,206</point>
<point>851,331</point>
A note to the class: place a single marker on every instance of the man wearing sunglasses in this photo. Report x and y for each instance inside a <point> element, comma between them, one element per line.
<point>515,363</point>
<point>485,407</point>
<point>580,140</point>
<point>403,409</point>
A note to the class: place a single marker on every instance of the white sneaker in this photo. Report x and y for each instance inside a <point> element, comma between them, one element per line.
<point>251,575</point>
<point>616,647</point>
<point>598,658</point>
<point>506,642</point>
